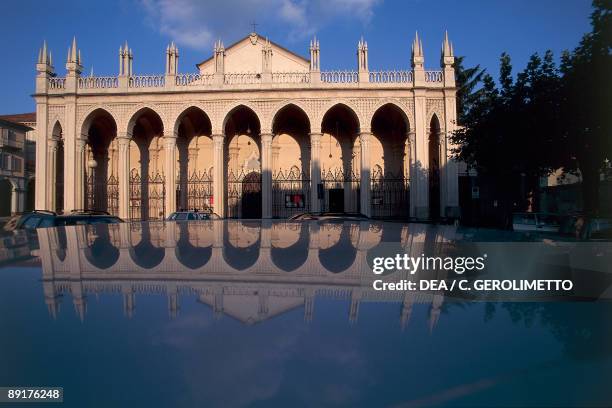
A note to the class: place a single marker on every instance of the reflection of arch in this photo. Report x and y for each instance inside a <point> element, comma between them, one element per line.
<point>101,253</point>
<point>434,167</point>
<point>240,258</point>
<point>145,254</point>
<point>189,255</point>
<point>292,257</point>
<point>340,256</point>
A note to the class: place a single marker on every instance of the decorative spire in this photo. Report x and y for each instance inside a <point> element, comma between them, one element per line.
<point>417,52</point>
<point>74,55</point>
<point>314,55</point>
<point>172,55</point>
<point>362,55</point>
<point>417,46</point>
<point>447,49</point>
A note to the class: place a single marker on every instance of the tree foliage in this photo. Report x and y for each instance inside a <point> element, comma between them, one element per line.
<point>544,118</point>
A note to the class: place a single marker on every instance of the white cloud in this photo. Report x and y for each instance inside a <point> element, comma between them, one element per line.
<point>196,24</point>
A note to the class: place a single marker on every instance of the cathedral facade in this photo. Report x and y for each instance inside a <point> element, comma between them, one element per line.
<point>257,131</point>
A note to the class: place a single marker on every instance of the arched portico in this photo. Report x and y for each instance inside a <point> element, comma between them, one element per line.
<point>99,131</point>
<point>340,154</point>
<point>291,187</point>
<point>390,162</point>
<point>244,172</point>
<point>194,160</point>
<point>147,188</point>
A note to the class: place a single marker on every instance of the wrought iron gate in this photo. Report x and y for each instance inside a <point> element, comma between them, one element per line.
<point>290,193</point>
<point>102,195</point>
<point>243,194</point>
<point>199,194</point>
<point>390,194</point>
<point>147,196</point>
<point>341,192</point>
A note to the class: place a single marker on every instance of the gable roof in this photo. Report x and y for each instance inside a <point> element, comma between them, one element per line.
<point>259,38</point>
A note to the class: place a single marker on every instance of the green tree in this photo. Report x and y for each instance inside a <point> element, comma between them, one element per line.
<point>586,97</point>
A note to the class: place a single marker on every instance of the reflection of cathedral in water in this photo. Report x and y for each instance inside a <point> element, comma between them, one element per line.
<point>249,270</point>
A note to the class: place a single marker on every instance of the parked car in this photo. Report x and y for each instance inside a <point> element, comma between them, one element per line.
<point>582,226</point>
<point>192,215</point>
<point>46,219</point>
<point>327,216</point>
<point>535,222</point>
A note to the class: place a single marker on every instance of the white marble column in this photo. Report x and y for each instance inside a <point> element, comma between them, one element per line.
<point>421,166</point>
<point>123,142</point>
<point>170,173</point>
<point>79,165</point>
<point>365,174</point>
<point>315,171</point>
<point>218,194</point>
<point>266,175</point>
<point>51,173</point>
<point>412,173</point>
<point>41,180</point>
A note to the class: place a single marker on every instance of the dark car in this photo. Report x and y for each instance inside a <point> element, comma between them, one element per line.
<point>46,219</point>
<point>192,215</point>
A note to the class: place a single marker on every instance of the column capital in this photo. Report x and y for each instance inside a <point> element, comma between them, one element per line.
<point>315,136</point>
<point>81,143</point>
<point>266,138</point>
<point>124,135</point>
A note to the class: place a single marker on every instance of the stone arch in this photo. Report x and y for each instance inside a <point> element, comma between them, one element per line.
<point>89,116</point>
<point>286,103</point>
<point>341,102</point>
<point>135,114</point>
<point>227,114</point>
<point>183,110</point>
<point>406,114</point>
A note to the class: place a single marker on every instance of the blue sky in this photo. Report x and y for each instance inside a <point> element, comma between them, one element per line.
<point>480,30</point>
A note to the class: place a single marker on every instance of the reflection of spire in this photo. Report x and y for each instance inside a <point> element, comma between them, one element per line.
<point>218,305</point>
<point>405,314</point>
<point>173,304</point>
<point>129,303</point>
<point>80,307</point>
<point>434,314</point>
<point>263,305</point>
<point>52,306</point>
<point>354,311</point>
<point>308,306</point>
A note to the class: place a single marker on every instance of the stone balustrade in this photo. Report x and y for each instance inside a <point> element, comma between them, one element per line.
<point>386,77</point>
<point>146,81</point>
<point>196,80</point>
<point>92,82</point>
